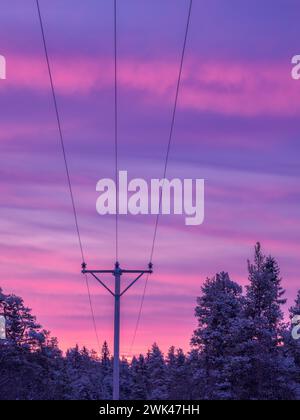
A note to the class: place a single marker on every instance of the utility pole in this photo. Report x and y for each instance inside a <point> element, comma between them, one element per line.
<point>117,294</point>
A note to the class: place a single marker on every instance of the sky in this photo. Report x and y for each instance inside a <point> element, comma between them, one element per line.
<point>237,126</point>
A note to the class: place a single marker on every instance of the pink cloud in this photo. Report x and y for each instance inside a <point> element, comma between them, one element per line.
<point>231,88</point>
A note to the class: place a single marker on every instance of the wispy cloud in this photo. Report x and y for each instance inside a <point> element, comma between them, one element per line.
<point>225,87</point>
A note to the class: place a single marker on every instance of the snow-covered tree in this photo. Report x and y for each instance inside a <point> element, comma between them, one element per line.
<point>125,380</point>
<point>84,376</point>
<point>107,372</point>
<point>196,375</point>
<point>139,372</point>
<point>220,338</point>
<point>265,296</point>
<point>264,302</point>
<point>156,372</point>
<point>105,355</point>
<point>177,375</point>
<point>21,326</point>
<point>30,362</point>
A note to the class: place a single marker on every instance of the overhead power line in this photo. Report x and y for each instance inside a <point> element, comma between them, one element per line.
<point>165,165</point>
<point>116,127</point>
<point>66,165</point>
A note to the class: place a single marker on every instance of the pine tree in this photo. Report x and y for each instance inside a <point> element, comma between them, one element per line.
<point>156,372</point>
<point>21,326</point>
<point>30,353</point>
<point>125,380</point>
<point>265,294</point>
<point>196,376</point>
<point>84,376</point>
<point>50,359</point>
<point>107,372</point>
<point>105,355</point>
<point>263,309</point>
<point>220,339</point>
<point>139,376</point>
<point>177,375</point>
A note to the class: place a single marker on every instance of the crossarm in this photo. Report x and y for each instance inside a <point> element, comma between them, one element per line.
<point>132,283</point>
<point>137,271</point>
<point>103,284</point>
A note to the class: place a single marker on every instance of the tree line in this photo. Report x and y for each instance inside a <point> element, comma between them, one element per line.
<point>242,349</point>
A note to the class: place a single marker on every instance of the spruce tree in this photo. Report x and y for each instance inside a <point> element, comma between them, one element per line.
<point>107,372</point>
<point>125,380</point>
<point>21,326</point>
<point>105,356</point>
<point>84,376</point>
<point>157,374</point>
<point>139,374</point>
<point>264,302</point>
<point>177,375</point>
<point>220,339</point>
<point>196,375</point>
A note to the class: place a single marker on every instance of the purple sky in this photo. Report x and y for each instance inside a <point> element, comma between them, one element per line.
<point>237,126</point>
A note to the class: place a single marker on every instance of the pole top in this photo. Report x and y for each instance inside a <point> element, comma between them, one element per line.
<point>83,266</point>
<point>118,270</point>
<point>150,266</point>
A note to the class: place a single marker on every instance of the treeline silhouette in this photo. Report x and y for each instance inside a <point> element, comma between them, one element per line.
<point>242,349</point>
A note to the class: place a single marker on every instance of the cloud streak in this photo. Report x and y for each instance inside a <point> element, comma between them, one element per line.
<point>237,88</point>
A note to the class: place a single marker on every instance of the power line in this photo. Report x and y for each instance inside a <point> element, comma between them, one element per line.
<point>66,165</point>
<point>116,126</point>
<point>92,312</point>
<point>165,166</point>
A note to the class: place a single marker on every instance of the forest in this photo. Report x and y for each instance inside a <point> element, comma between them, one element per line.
<point>242,349</point>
